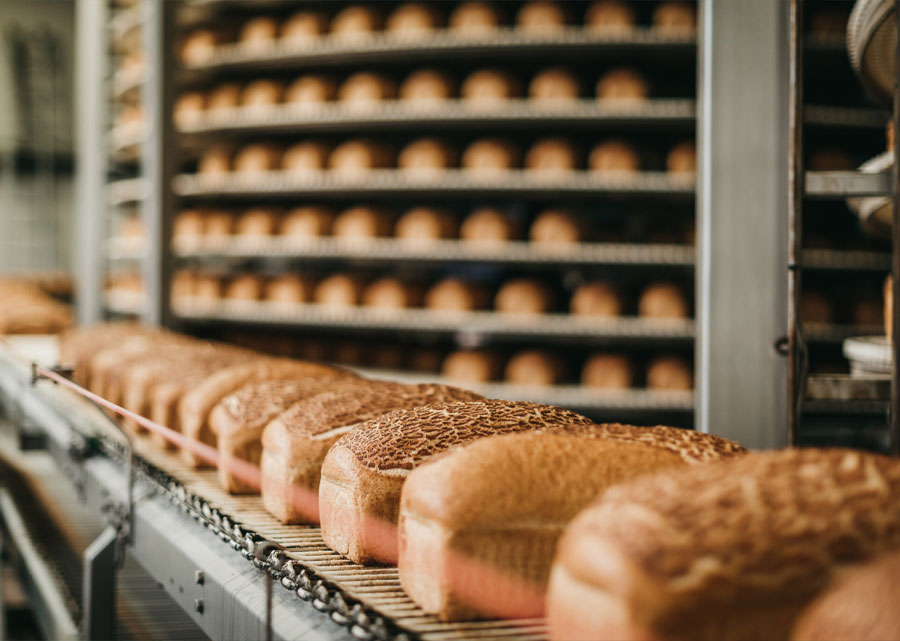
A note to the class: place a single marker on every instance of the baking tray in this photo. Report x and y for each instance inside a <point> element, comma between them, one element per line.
<point>877,212</point>
<point>871,43</point>
<point>868,355</point>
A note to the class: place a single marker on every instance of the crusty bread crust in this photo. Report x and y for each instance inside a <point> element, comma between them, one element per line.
<point>731,549</point>
<point>297,441</point>
<point>363,473</point>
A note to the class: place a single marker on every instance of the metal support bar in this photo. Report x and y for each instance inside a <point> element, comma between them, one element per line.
<point>99,607</point>
<point>741,220</point>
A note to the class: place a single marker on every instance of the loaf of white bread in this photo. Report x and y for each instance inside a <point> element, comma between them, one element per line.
<point>238,421</point>
<point>860,605</point>
<point>729,550</point>
<point>363,473</point>
<point>295,442</point>
<point>502,502</point>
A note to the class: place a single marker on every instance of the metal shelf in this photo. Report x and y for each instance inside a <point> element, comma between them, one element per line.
<point>443,251</point>
<point>388,182</point>
<point>823,259</point>
<point>484,324</point>
<point>384,47</point>
<point>119,248</point>
<point>125,303</point>
<point>527,113</point>
<point>841,184</point>
<point>129,190</point>
<point>125,140</point>
<point>836,333</point>
<point>827,116</point>
<point>127,84</point>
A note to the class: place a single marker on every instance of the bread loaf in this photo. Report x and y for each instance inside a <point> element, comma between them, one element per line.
<point>309,221</point>
<point>303,28</point>
<point>682,158</point>
<point>555,227</point>
<point>614,156</point>
<point>258,221</point>
<point>552,156</point>
<point>259,32</point>
<point>541,17</point>
<point>501,503</point>
<point>488,87</point>
<point>338,290</point>
<point>523,296</point>
<point>215,161</point>
<point>487,225</point>
<point>556,85</point>
<point>427,86</point>
<point>455,295</point>
<point>475,19</point>
<point>305,158</point>
<point>858,605</point>
<point>307,90</point>
<point>422,225</point>
<point>675,18</point>
<point>238,421</point>
<point>217,224</point>
<point>413,20</point>
<point>184,284</point>
<point>622,84</point>
<point>391,293</point>
<point>262,93</point>
<point>354,158</point>
<point>296,442</point>
<point>199,46</point>
<point>596,299</point>
<point>362,223</point>
<point>224,96</point>
<point>534,367</point>
<point>607,371</point>
<point>669,373</point>
<point>188,226</point>
<point>365,89</point>
<point>662,300</point>
<point>247,287</point>
<point>79,345</point>
<point>289,288</point>
<point>426,157</point>
<point>609,16</point>
<point>356,22</point>
<point>189,107</point>
<point>471,366</point>
<point>363,473</point>
<point>208,288</point>
<point>489,156</point>
<point>727,550</point>
<point>257,158</point>
<point>194,407</point>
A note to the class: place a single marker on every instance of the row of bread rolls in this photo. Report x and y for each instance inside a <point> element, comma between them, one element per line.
<point>523,296</point>
<point>822,307</point>
<point>419,224</point>
<point>485,86</point>
<point>418,20</point>
<point>428,157</point>
<point>27,308</point>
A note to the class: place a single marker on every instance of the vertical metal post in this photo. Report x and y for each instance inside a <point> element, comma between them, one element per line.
<point>90,178</point>
<point>742,217</point>
<point>99,594</point>
<point>895,267</point>
<point>158,157</point>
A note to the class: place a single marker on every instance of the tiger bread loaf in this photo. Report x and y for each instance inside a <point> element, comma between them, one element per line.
<point>296,442</point>
<point>194,406</point>
<point>860,605</point>
<point>239,418</point>
<point>729,550</point>
<point>364,472</point>
<point>495,508</point>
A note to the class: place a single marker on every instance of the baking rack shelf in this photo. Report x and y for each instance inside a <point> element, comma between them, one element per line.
<point>836,333</point>
<point>126,84</point>
<point>128,190</point>
<point>120,248</point>
<point>846,260</point>
<point>330,50</point>
<point>342,117</point>
<point>443,251</point>
<point>829,116</point>
<point>125,24</point>
<point>125,303</point>
<point>840,184</point>
<point>388,182</point>
<point>125,140</point>
<point>481,324</point>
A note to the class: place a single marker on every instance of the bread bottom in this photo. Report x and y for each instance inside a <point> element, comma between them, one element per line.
<point>466,575</point>
<point>238,445</point>
<point>290,488</point>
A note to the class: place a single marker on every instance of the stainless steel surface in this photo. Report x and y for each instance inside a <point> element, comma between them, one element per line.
<point>849,184</point>
<point>741,196</point>
<point>99,590</point>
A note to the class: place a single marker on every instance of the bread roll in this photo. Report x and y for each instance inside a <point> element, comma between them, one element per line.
<point>682,158</point>
<point>555,227</point>
<point>487,225</point>
<point>413,20</point>
<point>354,158</point>
<point>758,538</point>
<point>534,367</point>
<point>310,90</point>
<point>338,290</point>
<point>189,108</point>
<point>662,300</point>
<point>489,156</point>
<point>183,285</point>
<point>614,156</point>
<point>289,288</point>
<point>363,473</point>
<point>426,157</point>
<point>596,299</point>
<point>454,295</point>
<point>305,157</point>
<point>675,18</point>
<point>218,224</point>
<point>541,17</point>
<point>355,22</point>
<point>815,308</point>
<point>132,227</point>
<point>188,225</point>
<point>129,115</point>
<point>262,93</point>
<point>489,87</point>
<point>471,366</point>
<point>257,158</point>
<point>391,293</point>
<point>889,307</point>
<point>366,89</point>
<point>622,84</point>
<point>669,373</point>
<point>224,96</point>
<point>238,421</point>
<point>523,296</point>
<point>427,86</point>
<point>606,16</point>
<point>259,221</point>
<point>215,161</point>
<point>607,371</point>
<point>501,503</point>
<point>245,287</point>
<point>303,28</point>
<point>425,224</point>
<point>310,221</point>
<point>259,32</point>
<point>829,159</point>
<point>362,223</point>
<point>195,406</point>
<point>208,288</point>
<point>553,156</point>
<point>555,85</point>
<point>857,605</point>
<point>198,47</point>
<point>296,442</point>
<point>475,19</point>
